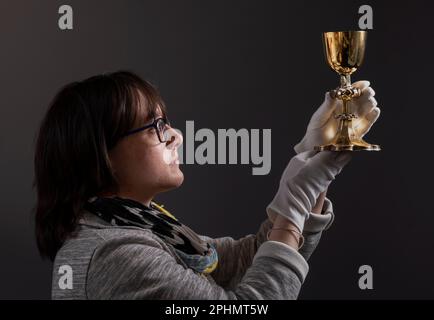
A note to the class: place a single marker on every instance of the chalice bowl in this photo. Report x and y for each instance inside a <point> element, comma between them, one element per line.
<point>344,52</point>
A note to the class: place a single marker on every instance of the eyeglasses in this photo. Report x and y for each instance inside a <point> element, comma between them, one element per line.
<point>160,125</point>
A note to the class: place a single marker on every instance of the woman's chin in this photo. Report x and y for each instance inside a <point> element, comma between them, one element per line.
<point>177,177</point>
<point>173,178</point>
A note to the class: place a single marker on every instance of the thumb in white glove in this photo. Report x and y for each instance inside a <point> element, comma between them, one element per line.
<point>305,177</point>
<point>323,124</point>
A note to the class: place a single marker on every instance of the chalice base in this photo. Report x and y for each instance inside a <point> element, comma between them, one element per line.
<point>348,145</point>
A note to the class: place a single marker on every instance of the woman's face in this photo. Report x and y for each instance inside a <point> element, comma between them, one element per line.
<point>144,166</point>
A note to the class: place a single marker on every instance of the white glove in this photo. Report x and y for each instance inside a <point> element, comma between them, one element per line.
<point>323,125</point>
<point>306,176</point>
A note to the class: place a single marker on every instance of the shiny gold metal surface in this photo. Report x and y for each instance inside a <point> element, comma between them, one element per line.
<point>344,52</point>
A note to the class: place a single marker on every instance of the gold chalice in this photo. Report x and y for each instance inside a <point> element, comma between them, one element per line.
<point>344,52</point>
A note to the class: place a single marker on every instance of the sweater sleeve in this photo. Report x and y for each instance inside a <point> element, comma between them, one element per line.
<point>236,256</point>
<point>137,267</point>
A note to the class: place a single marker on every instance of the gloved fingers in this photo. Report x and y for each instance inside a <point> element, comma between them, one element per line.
<point>305,156</point>
<point>368,90</point>
<point>361,110</point>
<point>324,112</point>
<point>362,84</point>
<point>344,157</point>
<point>366,94</point>
<point>327,159</point>
<point>365,124</point>
<point>373,115</point>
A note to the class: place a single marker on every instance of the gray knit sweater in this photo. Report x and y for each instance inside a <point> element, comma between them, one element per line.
<point>111,262</point>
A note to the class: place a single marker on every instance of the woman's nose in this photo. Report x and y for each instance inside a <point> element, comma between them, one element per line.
<point>174,139</point>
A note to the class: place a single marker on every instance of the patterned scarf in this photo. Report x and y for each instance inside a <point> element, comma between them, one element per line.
<point>199,255</point>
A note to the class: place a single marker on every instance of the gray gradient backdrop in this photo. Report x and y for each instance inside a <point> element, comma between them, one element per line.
<point>237,64</point>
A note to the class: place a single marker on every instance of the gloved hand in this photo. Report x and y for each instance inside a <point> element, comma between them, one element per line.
<point>323,125</point>
<point>305,177</point>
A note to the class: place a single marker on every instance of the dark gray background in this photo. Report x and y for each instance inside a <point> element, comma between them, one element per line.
<point>240,64</point>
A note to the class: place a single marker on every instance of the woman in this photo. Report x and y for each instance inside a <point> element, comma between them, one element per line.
<point>105,149</point>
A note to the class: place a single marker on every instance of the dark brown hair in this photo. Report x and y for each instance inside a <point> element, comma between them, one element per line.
<point>84,121</point>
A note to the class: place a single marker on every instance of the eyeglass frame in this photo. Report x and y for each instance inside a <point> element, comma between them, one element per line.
<point>151,125</point>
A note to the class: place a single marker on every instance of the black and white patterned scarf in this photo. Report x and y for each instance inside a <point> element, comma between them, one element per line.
<point>199,255</point>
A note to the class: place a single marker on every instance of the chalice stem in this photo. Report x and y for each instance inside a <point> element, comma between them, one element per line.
<point>345,80</point>
<point>345,126</point>
<point>345,107</point>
